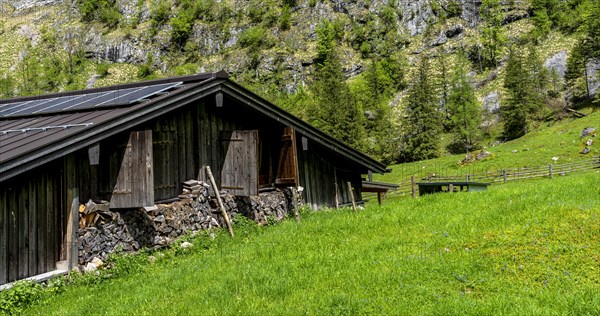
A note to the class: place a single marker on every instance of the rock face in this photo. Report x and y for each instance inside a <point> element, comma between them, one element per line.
<point>132,230</point>
<point>558,63</point>
<point>491,102</point>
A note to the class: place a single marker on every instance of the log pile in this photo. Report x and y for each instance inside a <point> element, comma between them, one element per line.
<point>156,227</point>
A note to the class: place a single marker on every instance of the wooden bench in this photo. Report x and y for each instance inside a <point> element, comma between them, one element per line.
<point>378,187</point>
<point>451,186</point>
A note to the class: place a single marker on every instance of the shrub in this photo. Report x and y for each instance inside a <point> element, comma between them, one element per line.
<point>21,295</point>
<point>284,19</point>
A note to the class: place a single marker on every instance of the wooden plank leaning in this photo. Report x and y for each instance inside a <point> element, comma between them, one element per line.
<point>218,195</point>
<point>351,196</point>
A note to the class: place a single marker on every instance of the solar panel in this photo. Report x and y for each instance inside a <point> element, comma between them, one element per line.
<point>86,101</point>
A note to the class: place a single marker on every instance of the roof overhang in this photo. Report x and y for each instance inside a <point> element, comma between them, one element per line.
<point>198,89</point>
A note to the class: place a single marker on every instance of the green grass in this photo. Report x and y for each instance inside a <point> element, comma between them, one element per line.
<point>521,248</point>
<point>554,139</point>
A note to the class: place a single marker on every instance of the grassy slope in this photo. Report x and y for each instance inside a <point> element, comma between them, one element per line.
<point>556,139</point>
<point>520,248</point>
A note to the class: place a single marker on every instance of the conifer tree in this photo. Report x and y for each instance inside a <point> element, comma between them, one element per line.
<point>464,109</point>
<point>336,111</point>
<point>421,127</point>
<point>492,34</point>
<point>521,101</point>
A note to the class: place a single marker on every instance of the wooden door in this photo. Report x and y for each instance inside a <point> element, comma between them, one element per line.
<point>135,182</point>
<point>287,170</point>
<point>239,174</point>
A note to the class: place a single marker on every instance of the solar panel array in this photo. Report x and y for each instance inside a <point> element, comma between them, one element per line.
<point>85,101</point>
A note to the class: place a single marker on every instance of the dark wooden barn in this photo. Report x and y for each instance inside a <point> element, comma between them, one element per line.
<point>134,144</point>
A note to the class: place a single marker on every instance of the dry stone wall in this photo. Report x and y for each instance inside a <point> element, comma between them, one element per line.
<point>104,231</point>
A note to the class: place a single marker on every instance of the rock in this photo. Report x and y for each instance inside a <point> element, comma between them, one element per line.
<point>454,30</point>
<point>557,63</point>
<point>589,142</point>
<point>514,150</point>
<point>152,259</point>
<point>586,150</point>
<point>186,245</point>
<point>439,40</point>
<point>554,158</point>
<point>593,81</point>
<point>90,267</point>
<point>491,102</point>
<point>159,219</point>
<point>97,262</point>
<point>92,81</point>
<point>587,131</point>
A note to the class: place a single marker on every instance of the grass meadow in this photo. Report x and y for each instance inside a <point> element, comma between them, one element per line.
<point>516,249</point>
<point>552,139</point>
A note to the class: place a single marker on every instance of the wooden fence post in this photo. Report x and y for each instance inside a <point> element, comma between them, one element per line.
<point>218,195</point>
<point>504,175</point>
<point>412,186</point>
<point>550,170</point>
<point>351,196</point>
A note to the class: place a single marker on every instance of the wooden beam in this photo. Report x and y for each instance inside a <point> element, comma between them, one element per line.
<point>351,196</point>
<point>72,228</point>
<point>218,195</point>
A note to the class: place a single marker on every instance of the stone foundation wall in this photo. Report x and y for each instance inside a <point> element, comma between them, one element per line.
<point>104,231</point>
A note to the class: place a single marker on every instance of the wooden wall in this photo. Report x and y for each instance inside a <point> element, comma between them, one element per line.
<point>319,173</point>
<point>32,221</point>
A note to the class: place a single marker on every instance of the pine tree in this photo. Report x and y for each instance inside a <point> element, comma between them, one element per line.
<point>521,101</point>
<point>336,112</point>
<point>421,128</point>
<point>464,109</point>
<point>492,34</point>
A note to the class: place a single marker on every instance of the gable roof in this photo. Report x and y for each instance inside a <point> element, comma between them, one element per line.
<point>36,130</point>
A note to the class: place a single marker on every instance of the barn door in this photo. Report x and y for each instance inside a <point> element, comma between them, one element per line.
<point>287,171</point>
<point>239,175</point>
<point>135,182</point>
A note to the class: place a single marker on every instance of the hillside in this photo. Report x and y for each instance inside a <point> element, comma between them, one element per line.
<point>276,48</point>
<point>560,140</point>
<point>520,248</point>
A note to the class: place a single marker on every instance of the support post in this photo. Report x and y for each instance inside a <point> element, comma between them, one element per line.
<point>351,196</point>
<point>218,195</point>
<point>295,204</point>
<point>72,229</point>
<point>550,170</point>
<point>337,191</point>
<point>504,175</point>
<point>412,186</point>
<point>379,198</point>
<point>451,188</point>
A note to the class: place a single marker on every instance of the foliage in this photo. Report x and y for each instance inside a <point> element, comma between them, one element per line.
<point>181,28</point>
<point>492,34</point>
<point>284,19</point>
<point>105,11</point>
<point>464,109</point>
<point>421,125</point>
<point>336,111</point>
<point>21,295</point>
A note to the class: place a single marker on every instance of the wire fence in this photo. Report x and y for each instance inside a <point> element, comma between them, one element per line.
<point>408,187</point>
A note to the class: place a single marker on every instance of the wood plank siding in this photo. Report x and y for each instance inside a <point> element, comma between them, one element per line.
<point>322,176</point>
<point>31,215</point>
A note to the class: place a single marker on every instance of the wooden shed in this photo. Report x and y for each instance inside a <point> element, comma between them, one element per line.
<point>134,144</point>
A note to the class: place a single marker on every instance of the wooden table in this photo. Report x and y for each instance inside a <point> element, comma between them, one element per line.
<point>451,186</point>
<point>378,187</point>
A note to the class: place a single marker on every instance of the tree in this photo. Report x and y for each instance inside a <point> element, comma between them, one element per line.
<point>492,34</point>
<point>336,111</point>
<point>421,127</point>
<point>521,101</point>
<point>464,110</point>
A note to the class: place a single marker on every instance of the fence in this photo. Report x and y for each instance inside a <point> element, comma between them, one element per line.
<point>408,187</point>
